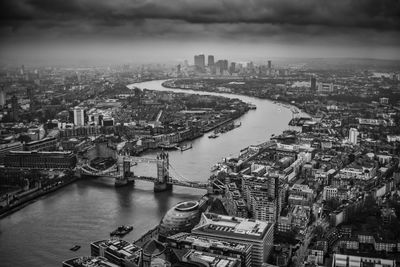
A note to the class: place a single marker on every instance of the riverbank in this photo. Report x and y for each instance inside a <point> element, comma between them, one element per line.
<point>31,198</point>
<point>283,102</point>
<point>87,209</point>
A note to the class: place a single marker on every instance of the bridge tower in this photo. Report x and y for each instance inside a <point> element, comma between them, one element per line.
<point>126,176</point>
<point>162,183</point>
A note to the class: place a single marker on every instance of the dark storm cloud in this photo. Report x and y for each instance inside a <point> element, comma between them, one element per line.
<point>371,14</point>
<point>145,27</point>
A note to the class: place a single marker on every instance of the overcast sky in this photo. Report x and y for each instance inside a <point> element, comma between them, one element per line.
<point>100,31</point>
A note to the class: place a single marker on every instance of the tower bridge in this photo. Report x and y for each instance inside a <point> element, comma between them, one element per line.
<point>121,172</point>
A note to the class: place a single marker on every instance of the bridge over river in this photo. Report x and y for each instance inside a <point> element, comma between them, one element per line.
<point>122,172</point>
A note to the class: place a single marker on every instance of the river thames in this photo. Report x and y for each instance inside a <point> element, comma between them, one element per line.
<point>41,233</point>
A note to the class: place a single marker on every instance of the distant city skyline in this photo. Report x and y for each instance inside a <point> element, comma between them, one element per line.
<point>95,32</point>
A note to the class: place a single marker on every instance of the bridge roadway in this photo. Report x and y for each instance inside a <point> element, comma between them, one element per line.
<point>113,173</point>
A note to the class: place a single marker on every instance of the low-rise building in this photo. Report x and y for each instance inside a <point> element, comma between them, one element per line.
<point>343,260</point>
<point>186,241</point>
<point>45,144</point>
<point>119,252</point>
<point>201,258</point>
<point>259,234</point>
<point>40,159</point>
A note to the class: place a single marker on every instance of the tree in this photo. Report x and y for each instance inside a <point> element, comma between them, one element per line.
<point>24,138</point>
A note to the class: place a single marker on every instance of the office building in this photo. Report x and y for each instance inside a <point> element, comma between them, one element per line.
<point>181,218</point>
<point>40,160</point>
<point>183,242</point>
<point>119,252</point>
<point>353,134</point>
<point>232,67</point>
<point>79,116</point>
<point>14,108</point>
<point>2,97</point>
<point>269,64</point>
<point>211,61</point>
<point>258,234</point>
<point>199,61</point>
<point>313,82</point>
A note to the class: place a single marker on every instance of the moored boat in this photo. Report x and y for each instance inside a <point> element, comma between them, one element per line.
<point>121,230</point>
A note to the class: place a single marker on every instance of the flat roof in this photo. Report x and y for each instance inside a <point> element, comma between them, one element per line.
<point>198,240</point>
<point>229,226</point>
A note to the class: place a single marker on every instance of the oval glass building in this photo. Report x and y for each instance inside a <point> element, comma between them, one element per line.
<point>181,218</point>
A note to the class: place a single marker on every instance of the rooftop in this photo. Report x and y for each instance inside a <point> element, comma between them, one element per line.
<point>202,258</point>
<point>232,226</point>
<point>199,241</point>
<point>187,206</point>
<point>118,246</point>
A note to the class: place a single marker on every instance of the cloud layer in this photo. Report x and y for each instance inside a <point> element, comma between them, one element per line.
<point>382,14</point>
<point>344,22</point>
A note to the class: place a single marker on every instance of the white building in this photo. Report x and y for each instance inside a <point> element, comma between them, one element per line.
<point>325,87</point>
<point>79,116</point>
<point>353,135</point>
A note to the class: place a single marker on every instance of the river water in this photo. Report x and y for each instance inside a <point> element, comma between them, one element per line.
<point>41,233</point>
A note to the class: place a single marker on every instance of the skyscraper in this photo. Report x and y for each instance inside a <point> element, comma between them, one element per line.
<point>353,133</point>
<point>22,70</point>
<point>79,116</point>
<point>232,67</point>
<point>2,97</point>
<point>210,60</point>
<point>14,108</point>
<point>269,64</point>
<point>199,61</point>
<point>313,83</point>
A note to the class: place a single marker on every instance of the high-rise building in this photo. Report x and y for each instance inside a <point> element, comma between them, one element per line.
<point>199,61</point>
<point>353,134</point>
<point>259,234</point>
<point>262,196</point>
<point>313,83</point>
<point>225,64</point>
<point>79,116</point>
<point>232,67</point>
<point>269,64</point>
<point>210,60</point>
<point>14,108</point>
<point>2,97</point>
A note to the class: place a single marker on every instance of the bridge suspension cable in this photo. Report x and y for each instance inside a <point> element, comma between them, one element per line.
<point>183,179</point>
